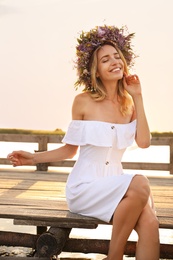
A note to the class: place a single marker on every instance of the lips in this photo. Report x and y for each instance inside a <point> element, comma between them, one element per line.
<point>115,69</point>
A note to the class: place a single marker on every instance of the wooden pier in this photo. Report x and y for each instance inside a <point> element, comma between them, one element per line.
<point>37,198</point>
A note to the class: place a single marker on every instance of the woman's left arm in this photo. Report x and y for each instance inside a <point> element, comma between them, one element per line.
<point>133,87</point>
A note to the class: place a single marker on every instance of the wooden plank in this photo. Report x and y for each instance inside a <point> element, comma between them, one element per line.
<point>62,224</point>
<point>171,156</point>
<point>165,222</point>
<point>162,209</point>
<point>34,198</point>
<point>42,200</point>
<point>162,180</point>
<point>43,143</point>
<point>4,161</point>
<point>60,204</point>
<point>146,166</point>
<point>161,140</point>
<point>22,175</point>
<point>65,163</point>
<point>34,216</point>
<point>26,258</point>
<point>102,246</point>
<point>164,212</point>
<point>19,138</point>
<point>58,138</point>
<point>31,185</point>
<point>16,173</point>
<point>43,214</point>
<point>17,239</point>
<point>126,165</point>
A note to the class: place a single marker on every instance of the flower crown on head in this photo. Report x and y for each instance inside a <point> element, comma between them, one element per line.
<point>88,42</point>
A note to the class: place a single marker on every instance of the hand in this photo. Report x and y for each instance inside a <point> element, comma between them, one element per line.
<point>19,158</point>
<point>132,84</point>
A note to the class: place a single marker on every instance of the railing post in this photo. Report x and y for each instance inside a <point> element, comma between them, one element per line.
<point>171,155</point>
<point>42,146</point>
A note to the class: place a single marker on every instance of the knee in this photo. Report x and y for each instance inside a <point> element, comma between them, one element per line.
<point>152,224</point>
<point>140,189</point>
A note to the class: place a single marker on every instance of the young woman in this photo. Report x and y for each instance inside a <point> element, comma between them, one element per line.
<point>106,118</point>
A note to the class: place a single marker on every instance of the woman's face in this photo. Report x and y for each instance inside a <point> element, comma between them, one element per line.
<point>110,66</point>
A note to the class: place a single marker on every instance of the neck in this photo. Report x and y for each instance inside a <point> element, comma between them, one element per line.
<point>111,92</point>
<point>111,88</point>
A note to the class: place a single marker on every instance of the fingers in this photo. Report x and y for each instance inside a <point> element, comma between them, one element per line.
<point>13,158</point>
<point>131,79</point>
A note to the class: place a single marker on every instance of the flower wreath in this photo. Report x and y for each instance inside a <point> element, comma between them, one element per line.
<point>88,42</point>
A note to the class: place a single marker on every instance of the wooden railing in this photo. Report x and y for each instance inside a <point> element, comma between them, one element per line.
<point>44,140</point>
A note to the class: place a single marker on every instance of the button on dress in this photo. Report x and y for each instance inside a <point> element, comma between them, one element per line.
<point>97,182</point>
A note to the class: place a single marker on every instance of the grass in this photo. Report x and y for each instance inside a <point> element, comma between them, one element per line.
<point>162,134</point>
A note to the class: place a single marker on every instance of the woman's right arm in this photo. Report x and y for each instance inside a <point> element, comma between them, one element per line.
<point>19,158</point>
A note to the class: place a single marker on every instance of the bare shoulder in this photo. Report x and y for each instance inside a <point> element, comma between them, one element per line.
<point>82,97</point>
<point>79,105</point>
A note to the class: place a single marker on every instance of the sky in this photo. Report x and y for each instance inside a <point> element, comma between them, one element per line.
<point>37,53</point>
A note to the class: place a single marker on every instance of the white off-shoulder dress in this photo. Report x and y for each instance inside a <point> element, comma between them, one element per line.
<point>97,182</point>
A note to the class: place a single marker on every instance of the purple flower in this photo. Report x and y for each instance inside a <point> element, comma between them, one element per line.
<point>89,41</point>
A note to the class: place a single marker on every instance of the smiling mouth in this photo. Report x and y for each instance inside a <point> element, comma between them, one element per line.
<point>115,69</point>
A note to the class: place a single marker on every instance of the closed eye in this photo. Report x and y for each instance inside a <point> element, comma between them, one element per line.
<point>103,61</point>
<point>106,58</point>
<point>117,56</point>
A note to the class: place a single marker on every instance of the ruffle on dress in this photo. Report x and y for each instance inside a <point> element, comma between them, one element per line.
<point>98,133</point>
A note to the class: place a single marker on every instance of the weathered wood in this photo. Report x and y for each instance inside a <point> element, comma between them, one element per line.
<point>161,140</point>
<point>146,166</point>
<point>171,156</point>
<point>26,258</point>
<point>52,242</point>
<point>43,142</point>
<point>18,239</point>
<point>38,199</point>
<point>35,138</point>
<point>42,147</point>
<point>65,163</point>
<point>58,223</point>
<point>4,161</point>
<point>99,246</point>
<point>34,198</point>
<point>126,165</point>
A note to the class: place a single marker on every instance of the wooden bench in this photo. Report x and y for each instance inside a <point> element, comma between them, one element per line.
<point>38,199</point>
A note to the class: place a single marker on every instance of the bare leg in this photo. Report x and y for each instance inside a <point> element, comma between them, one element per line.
<point>127,214</point>
<point>148,231</point>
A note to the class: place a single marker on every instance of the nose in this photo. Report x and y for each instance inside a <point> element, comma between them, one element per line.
<point>114,61</point>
